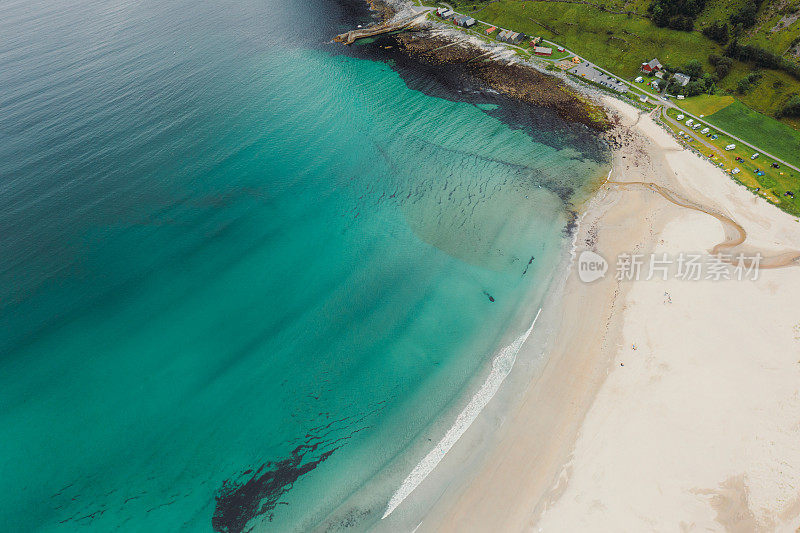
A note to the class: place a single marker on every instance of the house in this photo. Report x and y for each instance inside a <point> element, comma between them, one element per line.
<point>643,99</point>
<point>441,11</point>
<point>652,66</point>
<point>654,84</point>
<point>447,13</point>
<point>576,60</point>
<point>681,79</point>
<point>660,75</point>
<point>490,30</point>
<point>543,51</point>
<point>465,21</point>
<point>511,37</point>
<point>536,40</point>
<point>560,48</point>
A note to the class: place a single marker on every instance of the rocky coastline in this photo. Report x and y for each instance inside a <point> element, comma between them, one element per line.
<point>507,75</point>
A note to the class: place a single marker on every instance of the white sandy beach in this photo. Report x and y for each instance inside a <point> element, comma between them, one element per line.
<point>698,428</point>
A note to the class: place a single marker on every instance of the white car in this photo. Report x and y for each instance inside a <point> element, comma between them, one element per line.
<point>754,156</point>
<point>705,130</point>
<point>730,147</point>
<point>697,126</point>
<point>680,117</point>
<point>689,122</point>
<point>735,171</point>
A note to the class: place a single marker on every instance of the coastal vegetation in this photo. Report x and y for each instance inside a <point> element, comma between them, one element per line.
<point>620,35</point>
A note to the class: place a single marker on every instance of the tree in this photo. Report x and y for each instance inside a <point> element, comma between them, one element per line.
<point>693,88</point>
<point>746,16</point>
<point>693,69</point>
<point>676,14</point>
<point>790,108</point>
<point>717,31</point>
<point>722,65</point>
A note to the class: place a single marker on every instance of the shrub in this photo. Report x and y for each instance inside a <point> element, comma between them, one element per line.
<point>746,16</point>
<point>791,108</point>
<point>693,69</point>
<point>722,65</point>
<point>675,14</point>
<point>717,31</point>
<point>746,83</point>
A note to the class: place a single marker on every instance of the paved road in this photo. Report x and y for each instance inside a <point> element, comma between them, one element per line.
<point>689,131</point>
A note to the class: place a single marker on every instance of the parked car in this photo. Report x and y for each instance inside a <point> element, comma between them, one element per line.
<point>775,165</point>
<point>754,156</point>
<point>739,159</point>
<point>759,172</point>
<point>735,170</point>
<point>714,137</point>
<point>680,117</point>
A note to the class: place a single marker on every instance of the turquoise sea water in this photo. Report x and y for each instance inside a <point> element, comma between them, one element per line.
<point>243,271</point>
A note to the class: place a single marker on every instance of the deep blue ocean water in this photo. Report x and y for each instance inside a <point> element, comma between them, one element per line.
<point>244,270</point>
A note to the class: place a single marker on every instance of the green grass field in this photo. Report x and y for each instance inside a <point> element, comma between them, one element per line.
<point>706,104</point>
<point>759,130</point>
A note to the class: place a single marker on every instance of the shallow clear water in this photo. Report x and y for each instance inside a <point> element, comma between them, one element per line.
<point>242,270</point>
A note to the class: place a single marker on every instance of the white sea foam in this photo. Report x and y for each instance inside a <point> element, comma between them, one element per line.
<point>501,366</point>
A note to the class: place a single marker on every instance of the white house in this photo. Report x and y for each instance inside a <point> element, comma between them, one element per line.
<point>681,79</point>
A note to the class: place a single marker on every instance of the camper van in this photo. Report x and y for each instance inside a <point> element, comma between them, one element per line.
<point>730,147</point>
<point>705,130</point>
<point>680,117</point>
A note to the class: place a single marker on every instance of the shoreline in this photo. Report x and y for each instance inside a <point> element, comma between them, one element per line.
<point>521,464</point>
<point>526,477</point>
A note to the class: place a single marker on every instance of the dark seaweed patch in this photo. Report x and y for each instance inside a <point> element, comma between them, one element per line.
<point>238,503</point>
